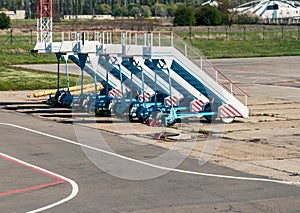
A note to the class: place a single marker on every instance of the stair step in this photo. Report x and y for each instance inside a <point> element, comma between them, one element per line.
<point>189,78</point>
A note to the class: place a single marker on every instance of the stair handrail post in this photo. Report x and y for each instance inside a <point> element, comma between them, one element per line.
<point>170,88</point>
<point>201,63</point>
<point>123,40</point>
<point>58,69</point>
<point>77,36</point>
<point>83,59</point>
<point>110,37</point>
<point>159,37</point>
<point>129,38</point>
<point>77,39</point>
<point>67,71</point>
<point>121,78</point>
<point>131,85</point>
<point>83,38</point>
<point>145,39</point>
<point>172,39</point>
<point>106,67</point>
<point>155,89</point>
<point>143,85</point>
<point>151,40</point>
<point>136,38</point>
<point>107,38</point>
<point>148,43</point>
<point>103,42</point>
<point>185,51</point>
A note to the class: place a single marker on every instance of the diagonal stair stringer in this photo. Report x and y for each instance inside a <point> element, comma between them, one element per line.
<point>207,81</point>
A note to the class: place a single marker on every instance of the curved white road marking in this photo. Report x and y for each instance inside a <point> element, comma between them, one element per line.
<point>153,165</point>
<point>73,183</point>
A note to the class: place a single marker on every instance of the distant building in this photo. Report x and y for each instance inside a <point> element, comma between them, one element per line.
<point>272,9</point>
<point>212,3</point>
<point>100,17</point>
<point>17,14</point>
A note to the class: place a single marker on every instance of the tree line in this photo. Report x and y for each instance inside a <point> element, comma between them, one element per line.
<point>144,8</point>
<point>182,12</point>
<point>210,16</point>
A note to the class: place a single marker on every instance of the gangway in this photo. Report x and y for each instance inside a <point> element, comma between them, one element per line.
<point>210,85</point>
<point>187,68</point>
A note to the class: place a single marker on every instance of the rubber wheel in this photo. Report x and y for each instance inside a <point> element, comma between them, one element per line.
<point>139,113</point>
<point>227,120</point>
<point>209,118</point>
<point>130,117</point>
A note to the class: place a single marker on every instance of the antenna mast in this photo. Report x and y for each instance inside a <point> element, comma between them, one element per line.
<point>44,20</point>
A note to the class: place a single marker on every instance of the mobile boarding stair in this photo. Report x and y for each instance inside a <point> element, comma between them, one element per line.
<point>208,91</point>
<point>137,79</point>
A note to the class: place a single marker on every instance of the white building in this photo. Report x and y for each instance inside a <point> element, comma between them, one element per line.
<point>271,9</point>
<point>18,14</point>
<point>100,17</point>
<point>211,3</point>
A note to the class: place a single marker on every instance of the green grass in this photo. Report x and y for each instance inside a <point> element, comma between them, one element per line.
<point>254,42</point>
<point>21,79</point>
<point>237,49</point>
<point>26,58</point>
<point>20,53</point>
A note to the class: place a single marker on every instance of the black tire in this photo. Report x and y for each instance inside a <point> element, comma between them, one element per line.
<point>130,117</point>
<point>209,118</point>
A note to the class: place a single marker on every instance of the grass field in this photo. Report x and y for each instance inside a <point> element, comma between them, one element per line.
<point>12,78</point>
<point>243,41</point>
<point>240,49</point>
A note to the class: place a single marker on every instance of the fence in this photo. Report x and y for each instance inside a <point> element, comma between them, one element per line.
<point>18,37</point>
<point>241,32</point>
<point>234,33</point>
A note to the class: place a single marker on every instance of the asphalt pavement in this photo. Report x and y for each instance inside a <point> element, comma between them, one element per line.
<point>68,154</point>
<point>277,77</point>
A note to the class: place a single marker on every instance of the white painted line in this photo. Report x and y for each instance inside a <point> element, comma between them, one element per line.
<point>73,183</point>
<point>153,165</point>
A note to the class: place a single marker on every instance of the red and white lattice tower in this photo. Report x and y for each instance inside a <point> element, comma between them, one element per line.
<point>44,20</point>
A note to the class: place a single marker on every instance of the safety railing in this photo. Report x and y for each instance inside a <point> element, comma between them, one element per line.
<point>211,70</point>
